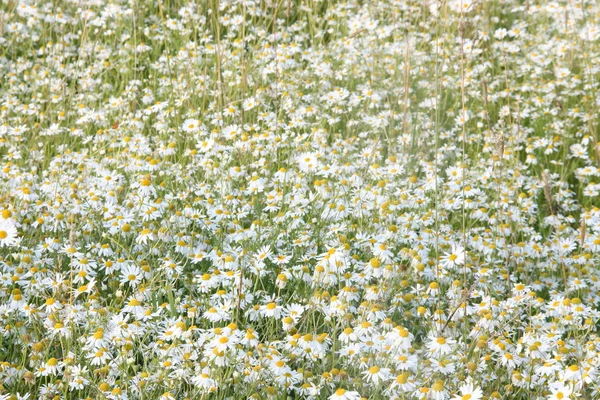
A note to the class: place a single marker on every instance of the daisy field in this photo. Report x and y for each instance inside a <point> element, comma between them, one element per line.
<point>299,199</point>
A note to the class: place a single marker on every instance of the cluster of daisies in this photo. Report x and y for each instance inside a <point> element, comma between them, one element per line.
<point>316,199</point>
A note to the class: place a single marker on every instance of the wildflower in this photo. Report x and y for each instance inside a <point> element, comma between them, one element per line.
<point>454,258</point>
<point>438,390</point>
<point>144,236</point>
<point>190,125</point>
<point>307,162</point>
<point>99,356</point>
<point>469,391</point>
<point>401,337</point>
<point>8,233</point>
<point>510,360</point>
<point>573,373</point>
<point>271,310</point>
<point>348,335</point>
<point>51,367</point>
<point>440,345</point>
<point>52,305</point>
<point>97,339</point>
<point>376,375</point>
<point>403,383</point>
<point>559,391</point>
<point>343,394</point>
<point>132,275</point>
<point>77,379</point>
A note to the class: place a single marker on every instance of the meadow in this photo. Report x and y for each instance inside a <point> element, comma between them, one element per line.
<point>299,199</point>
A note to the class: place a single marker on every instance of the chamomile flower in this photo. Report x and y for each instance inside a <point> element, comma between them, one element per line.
<point>145,236</point>
<point>51,367</point>
<point>343,394</point>
<point>454,258</point>
<point>376,374</point>
<point>439,344</point>
<point>271,309</point>
<point>190,125</point>
<point>52,305</point>
<point>8,233</point>
<point>559,391</point>
<point>469,391</point>
<point>131,274</point>
<point>307,162</point>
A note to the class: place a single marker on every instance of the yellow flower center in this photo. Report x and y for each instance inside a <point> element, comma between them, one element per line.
<point>374,369</point>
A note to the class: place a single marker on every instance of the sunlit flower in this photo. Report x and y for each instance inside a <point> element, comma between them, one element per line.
<point>8,233</point>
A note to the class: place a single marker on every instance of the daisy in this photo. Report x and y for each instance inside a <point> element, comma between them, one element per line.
<point>8,233</point>
<point>440,345</point>
<point>76,378</point>
<point>382,251</point>
<point>438,390</point>
<point>406,362</point>
<point>50,367</point>
<point>287,323</point>
<point>401,337</point>
<point>204,381</point>
<point>131,274</point>
<point>548,368</point>
<point>560,391</point>
<point>572,373</point>
<point>510,360</point>
<point>249,104</point>
<point>454,258</point>
<point>271,310</point>
<point>403,383</point>
<point>215,314</point>
<point>343,394</point>
<point>190,125</point>
<point>307,162</point>
<point>376,374</point>
<point>347,335</point>
<point>99,356</point>
<point>97,340</point>
<point>469,391</point>
<point>144,236</point>
<point>445,366</point>
<point>135,307</point>
<point>51,305</point>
